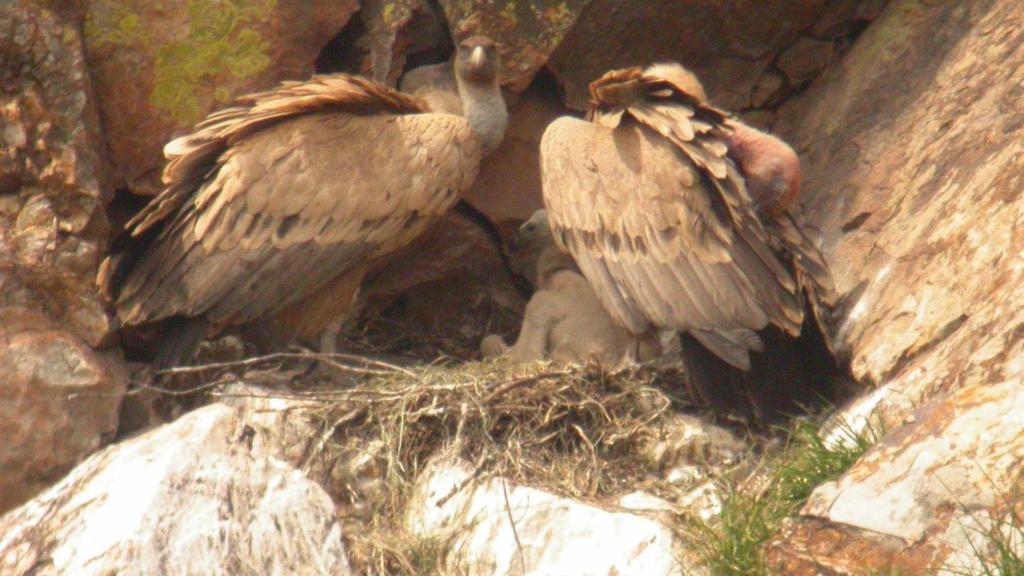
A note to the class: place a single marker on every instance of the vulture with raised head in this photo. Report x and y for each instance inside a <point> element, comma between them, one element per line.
<point>274,207</point>
<point>678,215</point>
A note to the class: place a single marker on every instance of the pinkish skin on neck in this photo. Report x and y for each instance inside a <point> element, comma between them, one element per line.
<point>769,165</point>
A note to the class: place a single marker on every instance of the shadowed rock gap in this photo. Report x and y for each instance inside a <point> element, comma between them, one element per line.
<point>343,53</point>
<point>385,39</point>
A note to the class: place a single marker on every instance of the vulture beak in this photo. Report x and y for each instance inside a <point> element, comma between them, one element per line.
<point>478,57</point>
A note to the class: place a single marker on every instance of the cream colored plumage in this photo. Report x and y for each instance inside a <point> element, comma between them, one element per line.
<point>285,197</point>
<point>645,197</point>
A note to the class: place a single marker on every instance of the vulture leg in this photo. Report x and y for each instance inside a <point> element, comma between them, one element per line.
<point>710,380</point>
<point>532,344</point>
<point>632,357</point>
<point>772,388</point>
<point>642,348</point>
<point>319,318</point>
<point>329,338</point>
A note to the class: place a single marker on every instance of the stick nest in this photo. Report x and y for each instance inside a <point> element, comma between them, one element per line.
<point>577,432</point>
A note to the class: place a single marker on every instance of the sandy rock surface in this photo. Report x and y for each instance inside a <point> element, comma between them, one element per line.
<point>547,534</point>
<point>914,171</point>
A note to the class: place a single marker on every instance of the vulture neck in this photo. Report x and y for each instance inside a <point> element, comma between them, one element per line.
<point>484,108</point>
<point>551,261</point>
<point>741,140</point>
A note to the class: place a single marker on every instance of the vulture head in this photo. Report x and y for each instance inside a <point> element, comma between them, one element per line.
<point>526,245</point>
<point>535,245</point>
<point>770,167</point>
<point>534,233</point>
<point>477,68</point>
<point>478,60</point>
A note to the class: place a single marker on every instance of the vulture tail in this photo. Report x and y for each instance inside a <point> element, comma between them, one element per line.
<point>733,347</point>
<point>181,338</point>
<point>783,380</point>
<point>712,381</point>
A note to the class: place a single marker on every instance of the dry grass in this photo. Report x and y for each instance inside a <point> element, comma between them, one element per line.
<point>997,543</point>
<point>576,432</point>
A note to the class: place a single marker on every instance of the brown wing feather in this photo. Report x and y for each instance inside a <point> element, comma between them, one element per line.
<point>664,242</point>
<point>282,212</point>
<point>191,157</point>
<point>671,98</point>
<point>790,237</point>
<point>661,221</point>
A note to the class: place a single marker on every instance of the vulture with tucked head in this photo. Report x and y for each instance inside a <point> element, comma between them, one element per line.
<point>274,207</point>
<point>677,214</point>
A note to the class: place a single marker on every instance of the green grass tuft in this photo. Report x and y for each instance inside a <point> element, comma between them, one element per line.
<point>749,519</point>
<point>999,550</point>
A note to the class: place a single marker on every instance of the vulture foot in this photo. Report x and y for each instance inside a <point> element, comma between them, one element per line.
<point>492,346</point>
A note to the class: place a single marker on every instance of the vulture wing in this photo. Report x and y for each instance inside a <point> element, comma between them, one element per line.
<point>659,219</point>
<point>268,201</point>
<point>790,239</point>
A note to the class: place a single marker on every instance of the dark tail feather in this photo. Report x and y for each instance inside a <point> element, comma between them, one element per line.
<point>181,338</point>
<point>794,239</point>
<point>712,381</point>
<point>776,385</point>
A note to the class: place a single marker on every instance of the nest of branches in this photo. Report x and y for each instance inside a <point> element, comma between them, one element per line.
<point>579,432</point>
<point>574,431</point>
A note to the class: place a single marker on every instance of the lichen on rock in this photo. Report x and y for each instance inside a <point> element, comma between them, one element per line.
<point>161,68</point>
<point>219,39</point>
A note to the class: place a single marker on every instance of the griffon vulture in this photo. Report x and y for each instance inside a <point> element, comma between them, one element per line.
<point>676,214</point>
<point>274,207</point>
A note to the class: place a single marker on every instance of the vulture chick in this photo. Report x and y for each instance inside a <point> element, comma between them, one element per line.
<point>652,195</point>
<point>564,321</point>
<point>274,207</point>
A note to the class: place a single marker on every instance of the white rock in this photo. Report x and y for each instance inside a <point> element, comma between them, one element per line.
<point>688,440</point>
<point>685,475</point>
<point>961,452</point>
<point>970,537</point>
<point>642,502</point>
<point>858,418</point>
<point>704,501</point>
<point>550,535</point>
<point>191,497</point>
<point>296,431</point>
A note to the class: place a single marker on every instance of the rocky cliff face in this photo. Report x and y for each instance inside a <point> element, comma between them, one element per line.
<point>160,68</point>
<point>909,120</point>
<point>58,396</point>
<point>915,173</point>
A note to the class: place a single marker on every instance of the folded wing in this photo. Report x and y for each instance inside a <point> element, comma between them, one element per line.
<point>659,220</point>
<point>271,199</point>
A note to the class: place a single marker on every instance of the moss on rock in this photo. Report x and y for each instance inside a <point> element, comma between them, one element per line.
<point>217,42</point>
